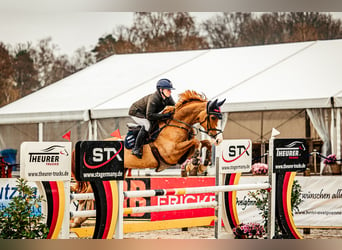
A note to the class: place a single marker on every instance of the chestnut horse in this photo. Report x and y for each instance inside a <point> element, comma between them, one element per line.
<point>176,141</point>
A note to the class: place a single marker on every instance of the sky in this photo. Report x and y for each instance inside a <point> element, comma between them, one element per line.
<point>70,30</point>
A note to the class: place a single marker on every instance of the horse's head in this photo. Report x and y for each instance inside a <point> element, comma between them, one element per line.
<point>211,120</point>
<point>193,108</point>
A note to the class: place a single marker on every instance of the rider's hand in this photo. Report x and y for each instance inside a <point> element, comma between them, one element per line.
<point>167,116</point>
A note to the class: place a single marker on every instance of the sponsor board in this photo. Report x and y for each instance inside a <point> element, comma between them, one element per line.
<point>165,183</point>
<point>289,155</point>
<point>8,190</point>
<point>132,184</point>
<point>235,156</point>
<point>45,161</point>
<point>99,160</point>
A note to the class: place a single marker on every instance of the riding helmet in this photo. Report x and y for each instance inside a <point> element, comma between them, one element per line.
<point>164,84</point>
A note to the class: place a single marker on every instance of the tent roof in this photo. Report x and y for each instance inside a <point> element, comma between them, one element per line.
<point>270,77</point>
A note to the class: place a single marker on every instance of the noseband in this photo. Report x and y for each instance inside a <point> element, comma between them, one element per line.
<point>209,128</point>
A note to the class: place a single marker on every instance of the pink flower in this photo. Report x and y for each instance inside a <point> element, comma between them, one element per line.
<point>249,230</point>
<point>330,159</point>
<point>259,168</point>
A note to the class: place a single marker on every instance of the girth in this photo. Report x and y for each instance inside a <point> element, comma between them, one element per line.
<point>157,156</point>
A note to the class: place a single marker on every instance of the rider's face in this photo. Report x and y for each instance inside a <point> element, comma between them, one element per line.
<point>166,92</point>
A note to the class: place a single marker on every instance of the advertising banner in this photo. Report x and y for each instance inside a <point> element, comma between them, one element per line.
<point>321,199</point>
<point>99,160</point>
<point>45,161</point>
<point>165,183</point>
<point>290,155</point>
<point>321,204</point>
<point>235,156</point>
<point>134,184</point>
<point>8,190</point>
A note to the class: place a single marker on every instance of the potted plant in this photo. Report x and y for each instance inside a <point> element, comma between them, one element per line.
<point>261,202</point>
<point>331,165</point>
<point>17,220</point>
<point>249,231</point>
<point>259,168</point>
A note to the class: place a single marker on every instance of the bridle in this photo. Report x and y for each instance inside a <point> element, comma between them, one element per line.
<point>209,128</point>
<point>190,128</point>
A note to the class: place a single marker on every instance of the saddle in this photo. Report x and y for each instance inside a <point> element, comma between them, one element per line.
<point>133,130</point>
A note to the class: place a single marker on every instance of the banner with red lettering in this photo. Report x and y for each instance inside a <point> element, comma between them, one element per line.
<point>164,183</point>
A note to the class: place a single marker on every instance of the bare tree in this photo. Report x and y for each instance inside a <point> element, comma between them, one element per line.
<point>25,72</point>
<point>166,31</point>
<point>43,56</point>
<point>242,29</point>
<point>222,30</point>
<point>8,91</point>
<point>51,67</point>
<point>82,59</point>
<point>308,26</point>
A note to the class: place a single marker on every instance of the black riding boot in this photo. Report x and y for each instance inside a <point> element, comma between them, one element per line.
<point>139,142</point>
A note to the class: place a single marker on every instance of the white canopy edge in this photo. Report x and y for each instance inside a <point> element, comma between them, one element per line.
<point>115,113</point>
<point>44,117</point>
<point>235,107</point>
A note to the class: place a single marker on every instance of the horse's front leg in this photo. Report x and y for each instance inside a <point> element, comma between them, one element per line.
<point>186,149</point>
<point>207,159</point>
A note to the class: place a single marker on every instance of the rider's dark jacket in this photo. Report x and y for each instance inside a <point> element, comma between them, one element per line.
<point>149,106</point>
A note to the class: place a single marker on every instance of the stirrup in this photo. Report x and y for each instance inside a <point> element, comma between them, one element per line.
<point>137,153</point>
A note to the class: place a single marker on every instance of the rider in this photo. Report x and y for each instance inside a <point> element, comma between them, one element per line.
<point>147,110</point>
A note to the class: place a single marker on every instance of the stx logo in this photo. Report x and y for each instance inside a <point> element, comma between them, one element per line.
<point>102,156</point>
<point>233,150</point>
<point>99,154</point>
<point>236,151</point>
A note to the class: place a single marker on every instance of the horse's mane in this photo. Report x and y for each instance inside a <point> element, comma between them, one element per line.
<point>186,97</point>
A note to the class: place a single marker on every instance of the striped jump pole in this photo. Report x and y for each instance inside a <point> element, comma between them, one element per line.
<point>195,190</point>
<point>166,192</point>
<point>84,196</point>
<point>148,209</point>
<point>85,213</point>
<point>174,207</point>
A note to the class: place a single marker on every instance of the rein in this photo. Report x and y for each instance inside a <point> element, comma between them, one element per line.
<point>190,130</point>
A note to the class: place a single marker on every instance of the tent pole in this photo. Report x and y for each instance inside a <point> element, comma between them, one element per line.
<point>332,131</point>
<point>94,125</point>
<point>338,133</point>
<point>90,131</point>
<point>40,131</point>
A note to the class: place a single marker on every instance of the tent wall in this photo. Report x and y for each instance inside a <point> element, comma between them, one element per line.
<point>11,136</point>
<point>54,131</point>
<point>257,126</point>
<point>107,126</point>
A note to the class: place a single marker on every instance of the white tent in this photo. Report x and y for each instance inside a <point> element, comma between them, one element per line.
<point>303,75</point>
<point>281,76</point>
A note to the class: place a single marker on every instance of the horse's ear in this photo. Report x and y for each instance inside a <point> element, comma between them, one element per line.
<point>211,105</point>
<point>221,102</point>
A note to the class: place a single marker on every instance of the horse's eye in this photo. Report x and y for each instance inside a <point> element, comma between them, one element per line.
<point>213,117</point>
